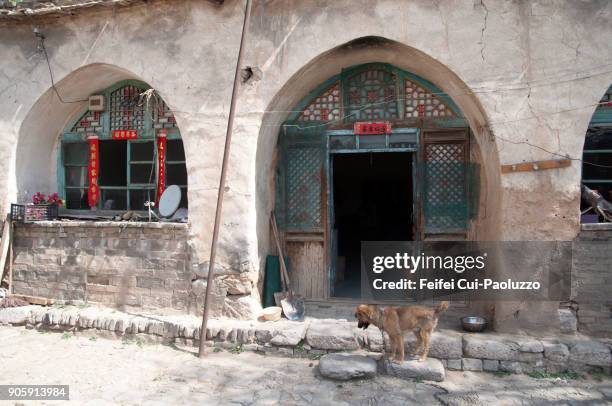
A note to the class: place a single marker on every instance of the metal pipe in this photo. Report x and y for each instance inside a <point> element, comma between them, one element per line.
<point>226,151</point>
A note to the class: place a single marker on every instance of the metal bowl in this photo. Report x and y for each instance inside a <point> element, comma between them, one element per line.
<point>474,324</point>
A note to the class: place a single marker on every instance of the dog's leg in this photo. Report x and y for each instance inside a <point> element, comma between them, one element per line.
<point>425,334</point>
<point>401,347</point>
<point>417,345</point>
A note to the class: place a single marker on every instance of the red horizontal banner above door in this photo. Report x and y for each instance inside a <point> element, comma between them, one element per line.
<point>125,134</point>
<point>372,128</point>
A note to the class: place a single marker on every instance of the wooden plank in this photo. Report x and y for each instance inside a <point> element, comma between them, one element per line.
<point>4,246</point>
<point>35,299</point>
<point>307,268</point>
<point>536,165</point>
<point>303,238</point>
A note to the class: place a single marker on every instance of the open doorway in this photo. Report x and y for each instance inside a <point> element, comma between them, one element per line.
<point>373,201</point>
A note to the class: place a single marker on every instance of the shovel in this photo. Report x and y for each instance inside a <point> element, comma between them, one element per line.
<point>292,304</point>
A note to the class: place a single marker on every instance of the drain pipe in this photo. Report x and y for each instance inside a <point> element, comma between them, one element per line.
<point>226,152</point>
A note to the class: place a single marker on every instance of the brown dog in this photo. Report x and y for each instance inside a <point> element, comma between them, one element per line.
<point>395,321</point>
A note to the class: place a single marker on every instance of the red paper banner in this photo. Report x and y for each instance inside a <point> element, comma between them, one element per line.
<point>372,128</point>
<point>93,193</point>
<point>125,134</point>
<point>161,168</point>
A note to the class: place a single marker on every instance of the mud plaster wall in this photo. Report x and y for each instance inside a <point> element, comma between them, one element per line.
<point>522,72</point>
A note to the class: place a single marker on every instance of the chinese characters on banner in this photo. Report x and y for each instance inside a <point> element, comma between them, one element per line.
<point>125,134</point>
<point>161,167</point>
<point>93,193</point>
<point>372,128</point>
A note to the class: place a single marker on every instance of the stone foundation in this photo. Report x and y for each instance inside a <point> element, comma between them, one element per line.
<point>314,338</point>
<point>131,265</point>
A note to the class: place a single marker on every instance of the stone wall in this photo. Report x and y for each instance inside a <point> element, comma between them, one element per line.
<point>145,266</point>
<point>592,278</point>
<point>115,264</point>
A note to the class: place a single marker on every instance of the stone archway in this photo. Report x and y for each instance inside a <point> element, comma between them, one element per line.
<point>361,51</point>
<point>37,145</point>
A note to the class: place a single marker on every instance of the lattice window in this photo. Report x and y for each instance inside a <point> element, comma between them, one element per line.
<point>163,117</point>
<point>420,102</point>
<point>126,111</point>
<point>325,107</point>
<point>372,95</point>
<point>445,187</point>
<point>304,187</point>
<point>90,122</point>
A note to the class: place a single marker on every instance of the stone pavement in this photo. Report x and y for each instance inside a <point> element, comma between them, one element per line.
<point>104,372</point>
<point>313,338</point>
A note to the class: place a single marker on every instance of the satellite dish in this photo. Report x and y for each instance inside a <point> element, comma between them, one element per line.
<point>169,201</point>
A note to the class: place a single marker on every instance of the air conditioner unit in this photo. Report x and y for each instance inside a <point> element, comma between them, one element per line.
<point>96,102</point>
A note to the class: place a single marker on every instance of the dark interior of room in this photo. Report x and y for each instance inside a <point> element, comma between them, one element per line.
<point>372,202</point>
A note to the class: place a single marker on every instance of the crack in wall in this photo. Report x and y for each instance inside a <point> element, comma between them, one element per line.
<point>484,28</point>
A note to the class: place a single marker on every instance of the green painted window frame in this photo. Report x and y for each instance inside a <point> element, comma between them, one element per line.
<point>145,135</point>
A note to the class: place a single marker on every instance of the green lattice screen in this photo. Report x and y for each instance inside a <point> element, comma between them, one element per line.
<point>446,206</point>
<point>299,204</point>
<point>372,95</point>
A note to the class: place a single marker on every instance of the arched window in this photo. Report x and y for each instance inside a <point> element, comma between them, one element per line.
<point>597,156</point>
<point>121,152</point>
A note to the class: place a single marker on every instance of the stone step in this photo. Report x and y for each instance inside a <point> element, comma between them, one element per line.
<point>344,366</point>
<point>429,370</point>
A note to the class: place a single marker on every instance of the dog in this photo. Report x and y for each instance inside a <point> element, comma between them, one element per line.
<point>395,321</point>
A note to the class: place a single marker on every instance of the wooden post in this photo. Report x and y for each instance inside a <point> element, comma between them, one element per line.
<point>226,153</point>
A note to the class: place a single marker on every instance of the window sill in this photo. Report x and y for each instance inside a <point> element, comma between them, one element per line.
<point>102,224</point>
<point>595,226</point>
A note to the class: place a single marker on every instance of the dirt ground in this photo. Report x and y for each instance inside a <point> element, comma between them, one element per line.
<point>112,372</point>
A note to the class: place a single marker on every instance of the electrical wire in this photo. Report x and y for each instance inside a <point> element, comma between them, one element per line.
<point>42,46</point>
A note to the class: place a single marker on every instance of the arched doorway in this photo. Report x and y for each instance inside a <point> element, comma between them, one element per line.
<point>375,153</point>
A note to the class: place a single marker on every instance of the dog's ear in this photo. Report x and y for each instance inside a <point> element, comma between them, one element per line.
<point>365,312</point>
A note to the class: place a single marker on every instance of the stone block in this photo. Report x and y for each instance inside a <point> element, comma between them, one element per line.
<point>15,315</point>
<point>490,347</point>
<point>443,345</point>
<point>592,353</point>
<point>347,366</point>
<point>289,335</point>
<point>568,323</point>
<point>284,351</point>
<point>454,364</point>
<point>237,284</point>
<point>241,307</point>
<point>490,365</point>
<point>471,364</point>
<point>530,357</point>
<point>331,336</point>
<point>530,345</point>
<point>431,369</point>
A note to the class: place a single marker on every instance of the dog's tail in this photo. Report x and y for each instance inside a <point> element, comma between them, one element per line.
<point>441,308</point>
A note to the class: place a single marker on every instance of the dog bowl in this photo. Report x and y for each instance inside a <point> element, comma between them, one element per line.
<point>474,324</point>
<point>272,313</point>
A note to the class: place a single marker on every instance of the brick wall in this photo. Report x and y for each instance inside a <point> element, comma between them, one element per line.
<point>592,279</point>
<point>143,265</point>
